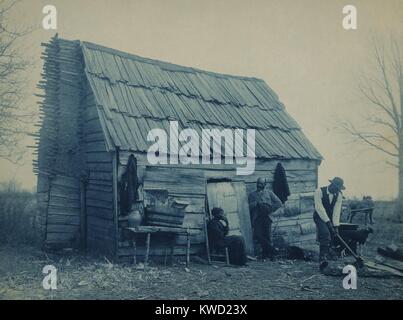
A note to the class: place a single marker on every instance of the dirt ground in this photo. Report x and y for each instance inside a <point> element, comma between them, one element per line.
<point>84,277</point>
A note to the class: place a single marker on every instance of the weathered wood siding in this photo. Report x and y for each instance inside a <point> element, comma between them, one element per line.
<point>63,220</point>
<point>182,183</point>
<point>99,188</point>
<point>187,182</point>
<point>60,154</point>
<point>296,229</point>
<point>47,136</point>
<point>72,147</point>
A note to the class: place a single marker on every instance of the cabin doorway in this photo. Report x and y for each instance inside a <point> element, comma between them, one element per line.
<point>232,198</point>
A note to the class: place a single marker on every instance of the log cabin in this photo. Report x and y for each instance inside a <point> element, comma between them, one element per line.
<point>97,107</point>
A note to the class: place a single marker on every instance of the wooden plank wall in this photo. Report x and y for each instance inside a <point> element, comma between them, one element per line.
<point>46,139</point>
<point>68,157</point>
<point>99,188</point>
<point>182,184</point>
<point>60,157</point>
<point>63,220</point>
<point>187,183</point>
<point>64,194</point>
<point>301,174</point>
<point>297,229</point>
<point>72,146</point>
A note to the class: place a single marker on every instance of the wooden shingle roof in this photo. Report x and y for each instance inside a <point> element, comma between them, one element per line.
<point>135,95</point>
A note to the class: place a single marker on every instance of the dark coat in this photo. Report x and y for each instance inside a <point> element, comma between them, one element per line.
<point>219,239</point>
<point>128,186</point>
<point>280,183</point>
<point>217,230</point>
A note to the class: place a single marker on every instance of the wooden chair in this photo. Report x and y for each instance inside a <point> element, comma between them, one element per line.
<point>214,255</point>
<point>220,257</point>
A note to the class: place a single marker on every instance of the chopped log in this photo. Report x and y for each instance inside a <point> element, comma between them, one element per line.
<point>391,251</point>
<point>390,263</point>
<point>378,266</point>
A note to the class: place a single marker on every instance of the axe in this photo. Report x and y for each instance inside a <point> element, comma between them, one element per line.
<point>359,262</point>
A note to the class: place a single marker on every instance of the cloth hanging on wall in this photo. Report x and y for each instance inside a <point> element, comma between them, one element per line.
<point>280,183</point>
<point>128,186</point>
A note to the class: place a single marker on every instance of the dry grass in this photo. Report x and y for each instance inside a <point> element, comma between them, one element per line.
<point>386,228</point>
<point>18,216</point>
<point>93,277</point>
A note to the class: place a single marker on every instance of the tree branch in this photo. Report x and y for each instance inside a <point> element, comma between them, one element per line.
<point>369,93</point>
<point>395,165</point>
<point>379,121</point>
<point>349,128</point>
<point>378,136</point>
<point>12,85</point>
<point>380,58</point>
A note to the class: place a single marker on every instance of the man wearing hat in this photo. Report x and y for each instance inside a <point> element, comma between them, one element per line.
<point>328,201</point>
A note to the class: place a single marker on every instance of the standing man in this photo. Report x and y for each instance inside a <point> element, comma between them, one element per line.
<point>262,203</point>
<point>328,202</point>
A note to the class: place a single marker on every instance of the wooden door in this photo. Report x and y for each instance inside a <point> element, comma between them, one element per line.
<point>232,198</point>
<point>63,217</point>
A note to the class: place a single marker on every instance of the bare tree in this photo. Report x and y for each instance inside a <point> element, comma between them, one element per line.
<point>13,118</point>
<point>382,90</point>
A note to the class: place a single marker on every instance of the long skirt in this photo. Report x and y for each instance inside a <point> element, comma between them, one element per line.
<point>236,249</point>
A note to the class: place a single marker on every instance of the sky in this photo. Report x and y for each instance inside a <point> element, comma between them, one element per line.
<point>298,47</point>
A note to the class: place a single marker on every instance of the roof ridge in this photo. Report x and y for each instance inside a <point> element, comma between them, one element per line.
<point>162,64</point>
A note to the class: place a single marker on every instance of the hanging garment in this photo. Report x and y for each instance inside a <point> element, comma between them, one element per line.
<point>280,184</point>
<point>128,186</point>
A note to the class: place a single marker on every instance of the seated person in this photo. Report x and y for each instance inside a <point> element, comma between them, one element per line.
<point>217,229</point>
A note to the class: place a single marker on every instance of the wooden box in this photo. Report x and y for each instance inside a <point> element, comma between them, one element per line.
<point>171,215</point>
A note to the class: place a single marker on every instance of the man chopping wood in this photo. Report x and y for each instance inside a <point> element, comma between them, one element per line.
<point>262,203</point>
<point>328,202</point>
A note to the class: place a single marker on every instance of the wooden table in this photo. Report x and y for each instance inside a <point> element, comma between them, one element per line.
<point>353,212</point>
<point>148,230</point>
